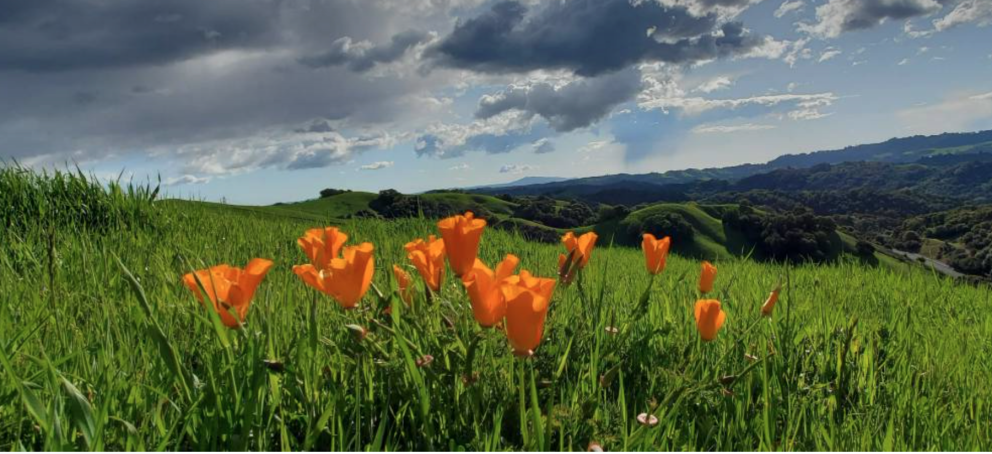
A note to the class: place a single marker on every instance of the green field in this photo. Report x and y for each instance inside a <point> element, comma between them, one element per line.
<point>856,357</point>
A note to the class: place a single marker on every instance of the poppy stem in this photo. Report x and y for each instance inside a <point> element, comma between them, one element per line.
<point>740,340</point>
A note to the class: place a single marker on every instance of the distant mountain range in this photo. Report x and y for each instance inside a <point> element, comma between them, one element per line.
<point>525,181</point>
<point>943,150</point>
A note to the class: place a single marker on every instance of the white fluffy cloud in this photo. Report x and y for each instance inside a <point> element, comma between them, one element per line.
<point>378,165</point>
<point>496,134</point>
<point>297,149</point>
<point>726,129</point>
<point>789,6</point>
<point>968,11</point>
<point>829,53</point>
<point>715,84</point>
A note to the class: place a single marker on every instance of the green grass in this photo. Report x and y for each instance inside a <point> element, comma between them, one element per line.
<point>855,357</point>
<point>337,206</point>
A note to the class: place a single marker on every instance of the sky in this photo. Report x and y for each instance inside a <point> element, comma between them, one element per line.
<point>264,101</point>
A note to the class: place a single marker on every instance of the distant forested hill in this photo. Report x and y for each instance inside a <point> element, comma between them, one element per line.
<point>944,151</point>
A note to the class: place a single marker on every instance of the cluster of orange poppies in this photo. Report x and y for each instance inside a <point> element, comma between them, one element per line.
<point>520,301</point>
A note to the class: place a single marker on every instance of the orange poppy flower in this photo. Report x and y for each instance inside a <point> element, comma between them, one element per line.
<point>228,287</point>
<point>428,257</point>
<point>405,283</point>
<point>527,299</point>
<point>769,306</point>
<point>655,252</point>
<point>483,286</point>
<point>322,245</point>
<point>346,279</point>
<point>706,278</point>
<point>582,246</point>
<point>461,236</point>
<point>709,318</point>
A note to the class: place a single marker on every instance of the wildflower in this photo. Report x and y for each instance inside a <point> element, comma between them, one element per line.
<point>461,236</point>
<point>229,287</point>
<point>655,252</point>
<point>709,318</point>
<point>404,281</point>
<point>706,278</point>
<point>483,286</point>
<point>358,332</point>
<point>579,249</point>
<point>647,420</point>
<point>527,299</point>
<point>769,306</point>
<point>428,257</point>
<point>322,245</point>
<point>424,361</point>
<point>346,279</point>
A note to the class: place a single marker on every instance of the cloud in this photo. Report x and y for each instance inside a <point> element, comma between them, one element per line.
<point>576,104</point>
<point>460,167</point>
<point>715,84</point>
<point>726,129</point>
<point>968,11</point>
<point>132,79</point>
<point>806,105</point>
<point>500,133</point>
<point>725,9</point>
<point>839,16</point>
<point>829,53</point>
<point>903,62</point>
<point>594,146</point>
<point>516,169</point>
<point>958,112</point>
<point>362,56</point>
<point>63,35</point>
<point>588,37</point>
<point>279,149</point>
<point>378,165</point>
<point>543,146</point>
<point>789,51</point>
<point>789,6</point>
<point>186,180</point>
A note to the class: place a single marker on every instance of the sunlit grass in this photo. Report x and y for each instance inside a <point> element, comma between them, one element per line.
<point>854,358</point>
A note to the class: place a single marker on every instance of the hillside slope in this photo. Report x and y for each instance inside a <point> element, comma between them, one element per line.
<point>937,150</point>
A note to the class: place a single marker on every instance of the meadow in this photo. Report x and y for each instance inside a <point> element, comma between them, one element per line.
<point>103,347</point>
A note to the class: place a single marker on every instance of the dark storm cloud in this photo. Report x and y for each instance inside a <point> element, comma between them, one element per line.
<point>839,16</point>
<point>61,35</point>
<point>589,37</point>
<point>212,85</point>
<point>577,104</point>
<point>868,13</point>
<point>363,56</point>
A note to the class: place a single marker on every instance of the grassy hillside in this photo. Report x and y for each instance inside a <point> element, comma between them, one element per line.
<point>854,357</point>
<point>345,205</point>
<point>338,206</point>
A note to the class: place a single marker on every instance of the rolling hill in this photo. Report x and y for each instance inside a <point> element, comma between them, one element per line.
<point>360,204</point>
<point>938,151</point>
